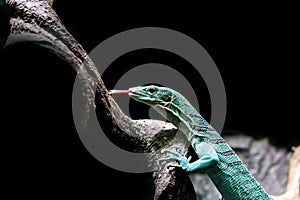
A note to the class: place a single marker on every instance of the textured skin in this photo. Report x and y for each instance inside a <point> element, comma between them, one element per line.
<point>215,157</point>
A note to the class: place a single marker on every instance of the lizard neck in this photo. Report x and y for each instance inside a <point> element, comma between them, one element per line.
<point>184,116</point>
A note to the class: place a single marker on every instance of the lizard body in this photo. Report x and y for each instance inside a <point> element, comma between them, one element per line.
<point>215,157</point>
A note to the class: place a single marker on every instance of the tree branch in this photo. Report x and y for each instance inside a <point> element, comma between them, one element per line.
<point>293,186</point>
<point>35,21</point>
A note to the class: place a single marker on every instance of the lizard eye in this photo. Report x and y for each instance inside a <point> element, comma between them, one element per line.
<point>152,90</point>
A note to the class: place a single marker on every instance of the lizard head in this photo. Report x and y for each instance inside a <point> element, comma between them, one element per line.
<point>152,95</point>
<point>162,99</point>
<point>167,102</point>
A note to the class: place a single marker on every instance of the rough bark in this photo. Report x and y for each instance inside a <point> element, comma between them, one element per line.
<point>35,21</point>
<point>293,185</point>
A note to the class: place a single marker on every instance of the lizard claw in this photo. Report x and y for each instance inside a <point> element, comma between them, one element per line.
<point>172,152</point>
<point>168,158</point>
<point>179,157</point>
<point>178,148</point>
<point>173,165</point>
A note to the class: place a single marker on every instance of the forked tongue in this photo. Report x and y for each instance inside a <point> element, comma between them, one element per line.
<point>118,92</point>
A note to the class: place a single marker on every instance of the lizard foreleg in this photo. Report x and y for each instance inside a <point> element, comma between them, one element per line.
<point>206,153</point>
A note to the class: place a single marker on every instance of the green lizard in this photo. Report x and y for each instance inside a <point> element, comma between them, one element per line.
<point>216,157</point>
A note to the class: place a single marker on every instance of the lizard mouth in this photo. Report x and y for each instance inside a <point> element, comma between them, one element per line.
<point>132,92</point>
<point>137,95</point>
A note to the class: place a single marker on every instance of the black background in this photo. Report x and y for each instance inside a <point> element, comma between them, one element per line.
<point>255,49</point>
